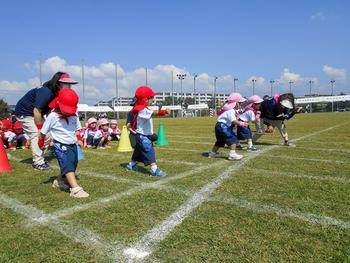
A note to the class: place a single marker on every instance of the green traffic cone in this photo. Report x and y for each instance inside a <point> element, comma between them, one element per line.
<point>161,135</point>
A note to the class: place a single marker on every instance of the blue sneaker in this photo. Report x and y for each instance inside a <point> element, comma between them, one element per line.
<point>158,172</point>
<point>132,167</point>
<point>239,147</point>
<point>252,149</point>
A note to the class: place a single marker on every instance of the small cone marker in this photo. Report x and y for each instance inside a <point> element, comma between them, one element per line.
<point>124,143</point>
<point>161,135</point>
<point>4,161</point>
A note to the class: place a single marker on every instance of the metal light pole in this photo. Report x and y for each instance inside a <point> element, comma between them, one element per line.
<point>83,78</point>
<point>234,84</point>
<point>332,84</point>
<point>172,90</point>
<point>40,70</point>
<point>271,83</point>
<point>290,86</point>
<point>194,87</point>
<point>146,77</point>
<point>310,84</point>
<point>116,102</point>
<point>253,80</point>
<point>181,77</point>
<point>215,78</point>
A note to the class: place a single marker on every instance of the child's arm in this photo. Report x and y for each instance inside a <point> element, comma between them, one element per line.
<point>240,123</point>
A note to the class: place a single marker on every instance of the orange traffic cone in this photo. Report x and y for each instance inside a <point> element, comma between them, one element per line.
<point>4,161</point>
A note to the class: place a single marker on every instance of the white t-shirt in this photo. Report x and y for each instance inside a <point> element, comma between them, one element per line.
<point>227,117</point>
<point>247,116</point>
<point>145,122</point>
<point>61,131</point>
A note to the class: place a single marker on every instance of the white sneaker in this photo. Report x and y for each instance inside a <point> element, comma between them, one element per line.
<point>60,183</point>
<point>213,154</point>
<point>78,192</point>
<point>235,157</point>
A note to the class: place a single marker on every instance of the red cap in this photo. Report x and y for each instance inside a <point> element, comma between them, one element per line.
<point>140,104</point>
<point>144,92</point>
<point>17,125</point>
<point>66,78</point>
<point>7,124</point>
<point>67,101</point>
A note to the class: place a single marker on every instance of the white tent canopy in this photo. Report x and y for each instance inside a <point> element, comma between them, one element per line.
<point>87,108</point>
<point>307,100</point>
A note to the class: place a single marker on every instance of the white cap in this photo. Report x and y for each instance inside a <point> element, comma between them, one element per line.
<point>287,104</point>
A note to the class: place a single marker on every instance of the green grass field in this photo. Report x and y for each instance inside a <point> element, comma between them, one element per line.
<point>280,204</point>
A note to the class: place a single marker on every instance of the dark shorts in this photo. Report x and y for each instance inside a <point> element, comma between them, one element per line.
<point>21,140</point>
<point>114,137</point>
<point>143,151</point>
<point>244,133</point>
<point>67,156</point>
<point>224,135</point>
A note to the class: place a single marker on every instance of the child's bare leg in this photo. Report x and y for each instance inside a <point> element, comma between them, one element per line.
<point>71,179</point>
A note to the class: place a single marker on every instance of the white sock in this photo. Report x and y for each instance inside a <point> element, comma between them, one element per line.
<point>132,163</point>
<point>154,167</point>
<point>250,143</point>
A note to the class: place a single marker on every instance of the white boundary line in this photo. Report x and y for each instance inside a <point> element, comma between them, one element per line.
<point>324,149</point>
<point>283,212</point>
<point>301,176</point>
<point>146,244</point>
<point>308,159</point>
<point>158,159</point>
<point>142,186</point>
<point>70,230</point>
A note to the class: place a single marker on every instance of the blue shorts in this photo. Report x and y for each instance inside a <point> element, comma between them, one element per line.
<point>67,156</point>
<point>21,139</point>
<point>224,135</point>
<point>244,133</point>
<point>143,151</point>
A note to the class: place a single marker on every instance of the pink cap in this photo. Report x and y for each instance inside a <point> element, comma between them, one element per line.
<point>255,99</point>
<point>66,78</point>
<point>113,122</point>
<point>235,97</point>
<point>103,121</point>
<point>92,120</point>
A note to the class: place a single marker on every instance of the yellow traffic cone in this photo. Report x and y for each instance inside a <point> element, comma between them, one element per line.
<point>124,143</point>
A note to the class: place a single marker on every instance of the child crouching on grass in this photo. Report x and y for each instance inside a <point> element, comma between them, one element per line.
<point>142,124</point>
<point>224,127</point>
<point>101,137</point>
<point>251,113</point>
<point>64,125</point>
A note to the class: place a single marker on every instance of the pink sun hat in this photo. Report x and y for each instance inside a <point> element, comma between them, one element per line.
<point>255,99</point>
<point>66,78</point>
<point>235,97</point>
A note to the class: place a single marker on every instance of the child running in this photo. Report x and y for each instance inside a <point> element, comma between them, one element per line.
<point>64,125</point>
<point>142,124</point>
<point>251,113</point>
<point>224,127</point>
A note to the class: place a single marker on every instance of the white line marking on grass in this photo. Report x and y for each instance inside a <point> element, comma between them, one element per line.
<point>178,149</point>
<point>158,159</point>
<point>194,143</point>
<point>146,244</point>
<point>70,230</point>
<point>301,176</point>
<point>142,186</point>
<point>308,159</point>
<point>284,212</point>
<point>324,149</point>
<point>191,137</point>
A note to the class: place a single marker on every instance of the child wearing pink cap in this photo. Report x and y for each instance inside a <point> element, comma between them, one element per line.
<point>101,137</point>
<point>90,132</point>
<point>251,113</point>
<point>224,127</point>
<point>114,130</point>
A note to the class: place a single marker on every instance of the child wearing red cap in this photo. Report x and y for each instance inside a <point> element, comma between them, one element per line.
<point>22,139</point>
<point>7,134</point>
<point>64,125</point>
<point>142,125</point>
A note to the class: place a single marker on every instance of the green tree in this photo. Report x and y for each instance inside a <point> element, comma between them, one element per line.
<point>4,109</point>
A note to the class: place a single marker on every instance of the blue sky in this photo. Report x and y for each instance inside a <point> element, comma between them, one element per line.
<point>281,40</point>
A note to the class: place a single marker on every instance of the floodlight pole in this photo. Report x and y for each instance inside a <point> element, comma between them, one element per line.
<point>215,78</point>
<point>271,83</point>
<point>332,84</point>
<point>290,86</point>
<point>194,88</point>
<point>310,84</point>
<point>253,80</point>
<point>234,84</point>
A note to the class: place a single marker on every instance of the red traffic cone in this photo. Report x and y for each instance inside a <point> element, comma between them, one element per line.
<point>4,161</point>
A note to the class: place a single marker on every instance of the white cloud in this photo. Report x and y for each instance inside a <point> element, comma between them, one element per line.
<point>289,76</point>
<point>336,73</point>
<point>318,16</point>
